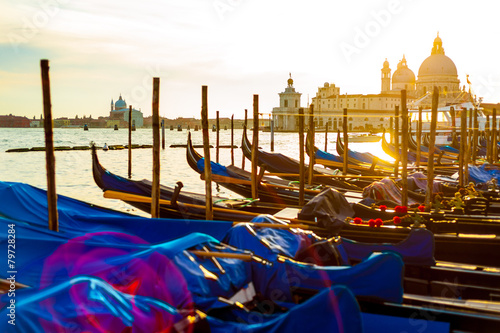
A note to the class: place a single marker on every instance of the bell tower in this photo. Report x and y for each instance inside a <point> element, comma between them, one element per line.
<point>386,77</point>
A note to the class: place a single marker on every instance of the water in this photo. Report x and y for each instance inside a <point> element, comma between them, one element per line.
<point>74,167</point>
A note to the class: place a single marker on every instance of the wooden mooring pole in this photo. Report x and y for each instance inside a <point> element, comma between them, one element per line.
<point>462,159</point>
<point>232,139</point>
<point>419,136</point>
<point>346,142</point>
<point>206,151</point>
<point>217,137</point>
<point>155,194</point>
<point>302,176</point>
<point>494,136</point>
<point>49,148</point>
<point>396,140</point>
<point>130,142</point>
<point>432,141</point>
<point>245,125</point>
<point>255,146</point>
<point>311,145</point>
<point>404,149</point>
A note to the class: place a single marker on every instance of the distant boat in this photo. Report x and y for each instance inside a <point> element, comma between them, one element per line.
<point>364,137</point>
<point>116,127</point>
<point>85,127</point>
<point>105,148</point>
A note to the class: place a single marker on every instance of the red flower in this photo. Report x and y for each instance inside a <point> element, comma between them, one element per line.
<point>421,208</point>
<point>371,223</point>
<point>396,220</point>
<point>379,222</point>
<point>383,208</point>
<point>401,209</point>
<point>358,220</point>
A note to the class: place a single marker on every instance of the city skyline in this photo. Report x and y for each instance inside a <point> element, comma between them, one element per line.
<point>238,48</point>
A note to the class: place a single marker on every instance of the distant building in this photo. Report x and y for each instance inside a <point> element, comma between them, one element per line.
<point>14,121</point>
<point>285,116</point>
<point>373,111</point>
<point>120,112</point>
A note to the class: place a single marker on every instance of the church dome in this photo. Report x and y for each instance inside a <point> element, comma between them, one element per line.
<point>403,74</point>
<point>437,63</point>
<point>120,104</point>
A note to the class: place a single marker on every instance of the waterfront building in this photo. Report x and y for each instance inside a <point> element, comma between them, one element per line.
<point>14,121</point>
<point>119,112</point>
<point>285,116</point>
<point>372,112</point>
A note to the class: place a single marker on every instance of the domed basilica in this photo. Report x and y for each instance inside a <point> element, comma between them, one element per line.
<point>436,70</point>
<point>372,111</point>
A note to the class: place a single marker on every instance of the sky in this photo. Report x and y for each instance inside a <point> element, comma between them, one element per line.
<point>99,49</point>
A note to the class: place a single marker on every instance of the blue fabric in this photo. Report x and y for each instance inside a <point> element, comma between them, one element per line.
<point>484,173</point>
<point>323,155</point>
<point>90,304</point>
<point>416,249</point>
<point>378,277</point>
<point>217,169</point>
<point>26,203</point>
<point>267,242</point>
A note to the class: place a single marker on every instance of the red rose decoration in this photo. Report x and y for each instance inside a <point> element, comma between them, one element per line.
<point>358,220</point>
<point>396,220</point>
<point>421,208</point>
<point>379,222</point>
<point>383,208</point>
<point>371,223</point>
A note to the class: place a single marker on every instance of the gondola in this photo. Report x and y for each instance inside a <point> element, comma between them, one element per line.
<point>279,163</point>
<point>357,157</point>
<point>455,312</point>
<point>181,204</point>
<point>271,190</point>
<point>354,167</point>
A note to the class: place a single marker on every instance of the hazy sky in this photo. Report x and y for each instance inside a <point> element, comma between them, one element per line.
<point>99,48</point>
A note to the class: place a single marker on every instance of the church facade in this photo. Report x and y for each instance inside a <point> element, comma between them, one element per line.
<point>119,114</point>
<point>372,112</point>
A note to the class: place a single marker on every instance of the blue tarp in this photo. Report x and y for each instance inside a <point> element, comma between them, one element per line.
<point>89,304</point>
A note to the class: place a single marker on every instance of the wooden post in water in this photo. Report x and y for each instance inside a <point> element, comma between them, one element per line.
<point>404,149</point>
<point>232,139</point>
<point>271,124</point>
<point>462,160</point>
<point>163,134</point>
<point>432,141</point>
<point>209,214</point>
<point>130,142</point>
<point>255,146</point>
<point>50,161</point>
<point>217,137</point>
<point>396,140</point>
<point>302,176</point>
<point>469,134</point>
<point>311,145</point>
<point>326,136</point>
<point>489,142</point>
<point>246,128</point>
<point>346,142</point>
<point>155,194</point>
<point>494,136</point>
<point>453,121</point>
<point>475,137</point>
<point>419,136</point>
<point>391,126</point>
